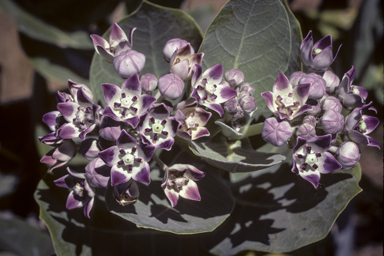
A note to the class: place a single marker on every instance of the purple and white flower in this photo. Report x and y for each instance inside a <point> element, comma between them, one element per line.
<point>192,121</point>
<point>351,96</point>
<point>81,195</point>
<point>60,155</point>
<point>358,126</point>
<point>98,173</point>
<point>318,56</point>
<point>179,180</point>
<point>126,104</point>
<point>285,101</point>
<point>183,62</point>
<point>81,114</point>
<point>118,42</point>
<point>209,90</point>
<point>128,159</point>
<point>157,128</point>
<point>310,158</point>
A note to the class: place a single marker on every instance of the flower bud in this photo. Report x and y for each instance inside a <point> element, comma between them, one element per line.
<point>332,81</point>
<point>234,77</point>
<point>306,131</point>
<point>331,103</point>
<point>171,86</point>
<point>332,121</point>
<point>148,82</point>
<point>128,63</point>
<point>171,46</point>
<point>89,149</point>
<point>248,104</point>
<point>348,155</point>
<point>276,132</point>
<point>310,120</point>
<point>315,107</point>
<point>295,77</point>
<point>231,106</point>
<point>247,87</point>
<point>318,85</point>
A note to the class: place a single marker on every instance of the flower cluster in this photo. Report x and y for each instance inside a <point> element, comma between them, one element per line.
<point>119,138</point>
<point>310,110</point>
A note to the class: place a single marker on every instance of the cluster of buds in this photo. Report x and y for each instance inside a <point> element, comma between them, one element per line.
<point>119,138</point>
<point>309,110</point>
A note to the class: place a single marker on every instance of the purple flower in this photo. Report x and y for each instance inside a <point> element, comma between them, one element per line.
<point>310,158</point>
<point>171,86</point>
<point>128,63</point>
<point>285,101</point>
<point>276,132</point>
<point>183,62</point>
<point>248,88</point>
<point>110,129</point>
<point>192,121</point>
<point>157,128</point>
<point>89,148</point>
<point>179,180</point>
<point>209,90</point>
<point>348,155</point>
<point>60,155</point>
<point>332,121</point>
<point>126,104</point>
<point>318,56</point>
<point>128,159</point>
<point>351,96</point>
<point>126,193</point>
<point>118,42</point>
<point>234,77</point>
<point>358,126</point>
<point>318,85</point>
<point>81,195</point>
<point>332,81</point>
<point>173,45</point>
<point>248,104</point>
<point>310,120</point>
<point>81,114</point>
<point>148,82</point>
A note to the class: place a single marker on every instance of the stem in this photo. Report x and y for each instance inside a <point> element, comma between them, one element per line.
<point>333,149</point>
<point>251,130</point>
<point>160,163</point>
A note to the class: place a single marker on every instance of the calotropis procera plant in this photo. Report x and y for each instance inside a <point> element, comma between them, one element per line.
<point>168,114</point>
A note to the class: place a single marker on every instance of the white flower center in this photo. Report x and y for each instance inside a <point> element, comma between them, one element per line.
<point>362,126</point>
<point>78,189</point>
<point>311,159</point>
<point>316,51</point>
<point>126,102</point>
<point>210,88</point>
<point>190,122</point>
<point>287,101</point>
<point>157,127</point>
<point>128,159</point>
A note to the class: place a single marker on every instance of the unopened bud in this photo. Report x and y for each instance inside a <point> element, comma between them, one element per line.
<point>171,86</point>
<point>128,63</point>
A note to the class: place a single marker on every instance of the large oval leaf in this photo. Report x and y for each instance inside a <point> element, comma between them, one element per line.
<point>104,233</point>
<point>278,211</point>
<point>155,26</point>
<point>237,156</point>
<point>253,36</point>
<point>153,209</point>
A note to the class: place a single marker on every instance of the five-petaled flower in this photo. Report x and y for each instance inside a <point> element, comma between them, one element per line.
<point>126,104</point>
<point>157,128</point>
<point>179,180</point>
<point>209,89</point>
<point>285,101</point>
<point>128,159</point>
<point>81,195</point>
<point>310,158</point>
<point>118,43</point>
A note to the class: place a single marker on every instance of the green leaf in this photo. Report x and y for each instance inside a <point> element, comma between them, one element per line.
<point>235,156</point>
<point>294,63</point>
<point>19,237</point>
<point>155,26</point>
<point>40,30</point>
<point>154,211</point>
<point>278,211</point>
<point>253,36</point>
